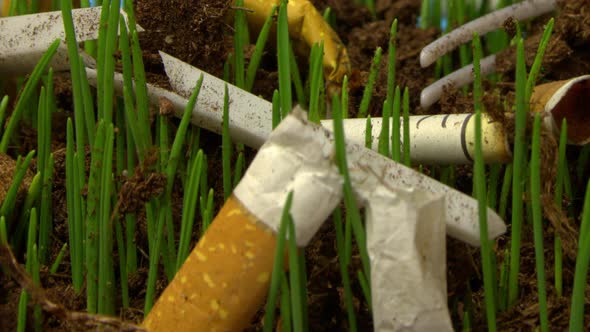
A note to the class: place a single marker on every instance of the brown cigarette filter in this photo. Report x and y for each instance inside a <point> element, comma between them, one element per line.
<point>566,100</point>
<point>224,281</point>
<point>307,25</point>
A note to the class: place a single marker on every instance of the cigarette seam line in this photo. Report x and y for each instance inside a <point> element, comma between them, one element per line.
<point>463,139</point>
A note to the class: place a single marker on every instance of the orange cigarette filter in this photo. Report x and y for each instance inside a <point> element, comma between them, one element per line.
<point>306,24</point>
<point>224,281</point>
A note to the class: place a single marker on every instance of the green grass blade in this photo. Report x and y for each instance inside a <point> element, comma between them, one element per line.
<point>315,74</point>
<point>26,95</point>
<point>395,126</point>
<point>349,200</point>
<point>296,77</point>
<point>92,220</point>
<point>517,176</point>
<point>123,273</point>
<point>535,183</point>
<point>344,263</point>
<point>208,214</point>
<point>33,194</point>
<point>285,305</point>
<point>240,40</point>
<point>276,109</point>
<point>532,78</point>
<point>283,60</point>
<point>19,174</point>
<point>277,271</point>
<point>106,280</point>
<point>45,164</point>
<point>238,169</point>
<point>297,299</point>
<point>391,62</point>
<point>406,122</point>
<point>58,259</point>
<point>581,272</point>
<point>258,50</point>
<point>480,188</point>
<point>506,186</point>
<point>368,133</point>
<point>76,68</point>
<point>3,108</point>
<point>368,91</point>
<point>188,208</point>
<point>558,199</point>
<point>226,148</point>
<point>143,113</point>
<point>344,98</point>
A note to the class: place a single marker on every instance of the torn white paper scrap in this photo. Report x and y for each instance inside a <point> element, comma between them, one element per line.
<point>406,243</point>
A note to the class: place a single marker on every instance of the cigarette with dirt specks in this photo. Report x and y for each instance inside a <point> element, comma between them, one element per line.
<point>307,25</point>
<point>224,281</point>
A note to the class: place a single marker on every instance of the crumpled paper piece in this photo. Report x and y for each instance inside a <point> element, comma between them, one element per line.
<point>406,243</point>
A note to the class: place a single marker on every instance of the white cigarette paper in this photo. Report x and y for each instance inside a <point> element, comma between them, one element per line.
<point>296,158</point>
<point>406,243</point>
<point>25,38</point>
<point>441,139</point>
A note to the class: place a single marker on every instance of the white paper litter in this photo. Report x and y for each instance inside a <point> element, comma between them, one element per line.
<point>406,244</point>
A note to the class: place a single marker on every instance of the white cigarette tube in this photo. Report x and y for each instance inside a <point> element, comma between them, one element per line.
<point>407,248</point>
<point>440,139</point>
<point>490,22</point>
<point>25,38</point>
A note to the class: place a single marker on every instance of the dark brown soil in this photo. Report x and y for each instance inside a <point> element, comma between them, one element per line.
<point>198,32</point>
<point>193,31</point>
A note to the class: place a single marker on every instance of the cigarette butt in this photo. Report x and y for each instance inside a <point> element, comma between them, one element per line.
<point>306,24</point>
<point>565,100</point>
<point>440,139</point>
<point>224,281</point>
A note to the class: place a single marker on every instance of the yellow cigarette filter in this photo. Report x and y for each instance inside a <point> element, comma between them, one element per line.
<point>224,281</point>
<point>307,25</point>
<point>565,100</point>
